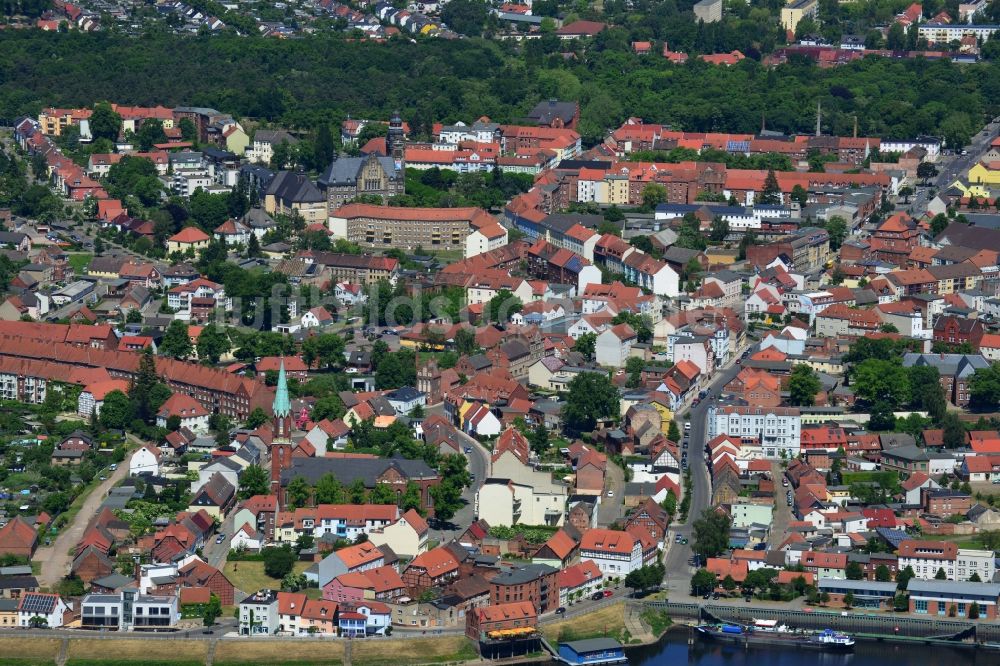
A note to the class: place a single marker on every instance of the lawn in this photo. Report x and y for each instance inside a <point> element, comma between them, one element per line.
<point>79,262</point>
<point>96,651</point>
<point>24,651</point>
<point>250,576</point>
<point>285,650</point>
<point>608,621</point>
<point>411,651</point>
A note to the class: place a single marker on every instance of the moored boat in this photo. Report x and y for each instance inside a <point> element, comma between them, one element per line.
<point>769,632</point>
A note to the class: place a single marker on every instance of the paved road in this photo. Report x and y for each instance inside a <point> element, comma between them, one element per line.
<point>678,570</point>
<point>953,166</point>
<point>478,468</point>
<point>56,559</point>
<point>782,512</point>
<point>612,507</point>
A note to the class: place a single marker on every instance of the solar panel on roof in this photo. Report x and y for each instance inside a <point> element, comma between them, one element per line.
<point>37,603</point>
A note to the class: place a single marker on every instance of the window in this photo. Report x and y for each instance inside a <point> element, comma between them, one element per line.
<point>920,606</point>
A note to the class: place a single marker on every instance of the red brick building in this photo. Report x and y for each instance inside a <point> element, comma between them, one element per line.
<point>480,622</point>
<point>536,584</point>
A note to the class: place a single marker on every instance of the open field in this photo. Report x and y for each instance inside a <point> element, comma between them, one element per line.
<point>250,576</point>
<point>608,621</point>
<point>284,651</point>
<point>411,651</point>
<point>29,651</point>
<point>139,651</point>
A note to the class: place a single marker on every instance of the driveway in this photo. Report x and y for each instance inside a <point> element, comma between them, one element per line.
<point>56,559</point>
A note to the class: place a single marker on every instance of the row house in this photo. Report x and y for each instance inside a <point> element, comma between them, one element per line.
<point>341,521</point>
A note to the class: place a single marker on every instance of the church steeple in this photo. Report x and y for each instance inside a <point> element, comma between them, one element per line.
<point>282,407</point>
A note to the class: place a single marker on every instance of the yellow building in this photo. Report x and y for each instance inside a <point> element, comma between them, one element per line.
<point>985,173</point>
<point>187,238</point>
<point>236,140</point>
<point>617,191</point>
<point>797,10</point>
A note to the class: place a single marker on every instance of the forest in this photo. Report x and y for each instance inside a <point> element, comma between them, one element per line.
<point>304,83</point>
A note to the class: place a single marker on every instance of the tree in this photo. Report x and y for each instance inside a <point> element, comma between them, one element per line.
<point>411,498</point>
<point>447,497</point>
<point>330,407</point>
<point>728,584</point>
<point>702,581</point>
<point>591,396</point>
<point>297,494</point>
<point>356,492</point>
<point>254,481</point>
<point>329,490</point>
<point>903,577</point>
<point>882,574</point>
<point>652,196</point>
<point>641,324</point>
<point>586,344</point>
<point>500,308</point>
<point>881,380</point>
<point>396,369</point>
<point>116,412</point>
<point>104,122</point>
<point>896,38</point>
<point>939,223</point>
<point>278,562</point>
<point>719,229</point>
<point>633,368</point>
<point>213,609</point>
<point>381,494</point>
<point>770,195</point>
<point>212,344</point>
<point>974,611</point>
<point>465,342</point>
<point>253,247</point>
<point>984,389</point>
<point>257,418</point>
<point>150,133</point>
<point>673,432</point>
<point>974,578</point>
<point>176,341</point>
<point>539,439</point>
<point>926,170</point>
<point>854,571</point>
<point>836,229</point>
<point>800,195</point>
<point>323,149</point>
<point>293,582</point>
<point>803,385</point>
<point>711,533</point>
<point>466,16</point>
<point>941,575</point>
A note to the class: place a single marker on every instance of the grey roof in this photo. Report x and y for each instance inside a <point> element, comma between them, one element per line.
<point>524,574</point>
<point>294,187</point>
<point>404,394</point>
<point>951,365</point>
<point>113,581</point>
<point>347,470</point>
<point>18,582</point>
<point>952,588</point>
<point>546,112</point>
<point>346,170</point>
<point>594,645</point>
<point>861,586</point>
<point>274,136</point>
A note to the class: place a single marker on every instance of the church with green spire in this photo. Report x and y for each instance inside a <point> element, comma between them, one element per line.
<point>282,408</point>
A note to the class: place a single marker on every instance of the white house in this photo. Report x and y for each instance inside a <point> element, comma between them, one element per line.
<point>259,614</point>
<point>349,294</point>
<point>316,317</point>
<point>614,345</point>
<point>92,397</point>
<point>246,538</point>
<point>484,239</point>
<point>615,553</point>
<point>527,501</point>
<point>48,608</point>
<point>779,428</point>
<point>233,232</point>
<point>192,415</point>
<point>405,399</point>
<point>145,461</point>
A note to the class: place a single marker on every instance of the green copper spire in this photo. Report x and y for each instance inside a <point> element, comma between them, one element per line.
<point>282,405</point>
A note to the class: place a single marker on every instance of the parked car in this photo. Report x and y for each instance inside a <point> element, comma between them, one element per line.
<point>597,596</point>
<point>468,450</point>
<point>607,593</point>
<point>687,426</point>
<point>220,538</point>
<point>560,610</point>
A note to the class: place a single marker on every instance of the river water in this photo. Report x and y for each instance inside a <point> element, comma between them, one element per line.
<point>673,650</point>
